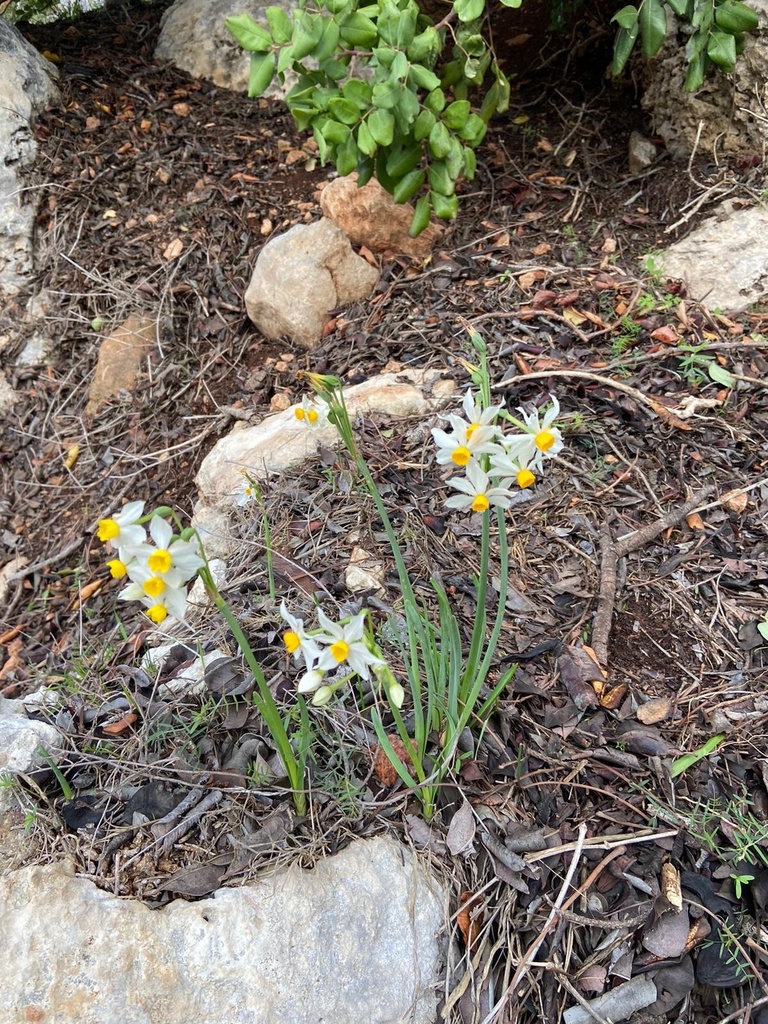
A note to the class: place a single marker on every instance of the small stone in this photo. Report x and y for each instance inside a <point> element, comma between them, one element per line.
<point>300,276</point>
<point>281,401</point>
<point>370,216</point>
<point>642,153</point>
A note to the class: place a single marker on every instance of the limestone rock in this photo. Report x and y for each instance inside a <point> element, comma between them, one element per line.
<point>121,357</point>
<point>26,88</point>
<point>370,216</point>
<point>194,37</point>
<point>724,261</point>
<point>727,114</point>
<point>300,277</point>
<point>641,152</point>
<point>23,742</point>
<point>358,938</point>
<point>281,441</point>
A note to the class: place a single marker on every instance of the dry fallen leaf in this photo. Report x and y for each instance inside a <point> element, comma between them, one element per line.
<point>670,886</point>
<point>694,521</point>
<point>383,768</point>
<point>654,710</point>
<point>469,918</point>
<point>117,728</point>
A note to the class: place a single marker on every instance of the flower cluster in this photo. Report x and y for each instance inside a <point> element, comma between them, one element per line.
<point>494,462</point>
<point>159,571</point>
<point>337,650</point>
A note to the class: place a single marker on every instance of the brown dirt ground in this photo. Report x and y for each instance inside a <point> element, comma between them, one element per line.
<point>544,262</point>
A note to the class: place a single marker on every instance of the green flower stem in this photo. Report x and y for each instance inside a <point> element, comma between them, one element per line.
<point>264,701</point>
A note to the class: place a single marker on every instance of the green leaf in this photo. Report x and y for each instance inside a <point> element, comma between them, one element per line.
<point>470,163</point>
<point>682,8</point>
<point>445,207</point>
<point>347,157</point>
<point>435,101</point>
<point>280,25</point>
<point>343,110</point>
<point>474,130</point>
<point>357,30</point>
<point>365,141</point>
<point>622,47</point>
<point>328,42</point>
<point>406,109</point>
<point>425,47</point>
<point>420,217</point>
<point>439,140</point>
<point>365,169</point>
<point>682,764</point>
<point>402,161</point>
<point>335,133</point>
<point>721,50</point>
<point>423,77</point>
<point>323,148</point>
<point>306,36</point>
<point>386,94</point>
<point>408,186</point>
<point>653,26</point>
<point>249,34</point>
<point>454,160</point>
<point>335,70</point>
<point>735,17</point>
<point>456,114</point>
<point>626,17</point>
<point>381,124</point>
<point>440,180</point>
<point>261,73</point>
<point>512,3</point>
<point>468,10</point>
<point>357,92</point>
<point>762,628</point>
<point>694,79</point>
<point>423,125</point>
<point>720,375</point>
<point>388,22</point>
<point>285,59</point>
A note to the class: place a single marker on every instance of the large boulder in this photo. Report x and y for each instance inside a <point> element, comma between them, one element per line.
<point>727,114</point>
<point>300,277</point>
<point>194,37</point>
<point>370,216</point>
<point>27,87</point>
<point>360,937</point>
<point>723,261</point>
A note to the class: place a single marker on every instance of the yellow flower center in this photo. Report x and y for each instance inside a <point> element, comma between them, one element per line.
<point>481,503</point>
<point>160,561</point>
<point>340,650</point>
<point>292,641</point>
<point>461,455</point>
<point>154,587</point>
<point>471,429</point>
<point>525,478</point>
<point>299,413</point>
<point>157,613</point>
<point>108,529</point>
<point>117,568</point>
<point>312,415</point>
<point>544,440</point>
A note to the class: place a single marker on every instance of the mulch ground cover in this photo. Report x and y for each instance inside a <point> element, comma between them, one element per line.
<point>570,829</point>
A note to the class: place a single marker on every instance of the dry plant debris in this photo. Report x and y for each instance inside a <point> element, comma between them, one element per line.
<point>575,855</point>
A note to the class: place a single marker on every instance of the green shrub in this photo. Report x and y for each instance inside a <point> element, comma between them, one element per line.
<point>419,112</point>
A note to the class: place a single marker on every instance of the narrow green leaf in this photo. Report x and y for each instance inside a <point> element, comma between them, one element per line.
<point>682,764</point>
<point>622,48</point>
<point>720,375</point>
<point>653,26</point>
<point>408,186</point>
<point>420,217</point>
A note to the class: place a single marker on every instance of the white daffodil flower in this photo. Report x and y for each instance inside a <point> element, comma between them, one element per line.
<point>466,442</point>
<point>123,531</point>
<point>311,681</point>
<point>475,414</point>
<point>180,555</point>
<point>541,440</point>
<point>247,491</point>
<point>307,412</point>
<point>346,647</point>
<point>298,643</point>
<point>507,469</point>
<point>477,493</point>
<point>158,597</point>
